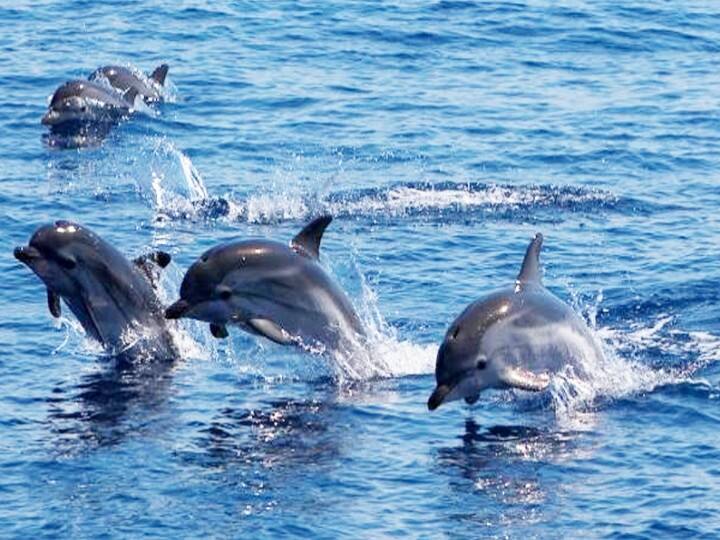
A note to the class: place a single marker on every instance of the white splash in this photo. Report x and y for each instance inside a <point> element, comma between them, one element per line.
<point>380,353</point>
<point>266,208</point>
<point>288,201</point>
<point>175,183</point>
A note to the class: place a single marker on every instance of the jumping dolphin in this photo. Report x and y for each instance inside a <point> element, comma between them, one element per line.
<point>270,289</point>
<point>78,103</point>
<point>512,338</point>
<point>124,79</point>
<point>114,299</point>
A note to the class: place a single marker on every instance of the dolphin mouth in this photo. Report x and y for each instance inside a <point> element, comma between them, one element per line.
<point>177,310</point>
<point>438,396</point>
<point>50,118</point>
<point>26,254</point>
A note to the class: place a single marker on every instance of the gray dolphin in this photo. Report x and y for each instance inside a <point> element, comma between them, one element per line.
<point>113,298</point>
<point>513,338</point>
<point>79,102</point>
<point>274,290</point>
<point>124,79</point>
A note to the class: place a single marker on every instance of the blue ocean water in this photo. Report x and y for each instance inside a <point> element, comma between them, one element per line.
<point>442,135</point>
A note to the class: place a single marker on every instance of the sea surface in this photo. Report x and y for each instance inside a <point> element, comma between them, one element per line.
<point>442,135</point>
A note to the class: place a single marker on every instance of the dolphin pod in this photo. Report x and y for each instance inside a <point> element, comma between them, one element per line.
<point>274,290</point>
<point>512,338</point>
<point>114,299</point>
<point>89,108</point>
<point>517,337</point>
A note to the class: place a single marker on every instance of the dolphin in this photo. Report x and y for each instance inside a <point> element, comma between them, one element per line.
<point>275,290</point>
<point>114,299</point>
<point>124,79</point>
<point>512,338</point>
<point>78,103</point>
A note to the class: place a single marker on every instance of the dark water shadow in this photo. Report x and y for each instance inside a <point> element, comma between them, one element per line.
<point>117,401</point>
<point>276,434</point>
<point>508,469</point>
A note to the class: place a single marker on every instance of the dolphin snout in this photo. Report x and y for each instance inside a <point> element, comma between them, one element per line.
<point>26,254</point>
<point>438,396</point>
<point>49,118</point>
<point>177,310</point>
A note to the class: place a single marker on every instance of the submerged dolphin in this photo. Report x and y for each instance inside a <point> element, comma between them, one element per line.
<point>78,103</point>
<point>124,80</point>
<point>274,290</point>
<point>512,338</point>
<point>114,299</point>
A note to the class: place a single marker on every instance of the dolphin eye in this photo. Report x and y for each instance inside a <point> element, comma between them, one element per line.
<point>481,364</point>
<point>225,294</point>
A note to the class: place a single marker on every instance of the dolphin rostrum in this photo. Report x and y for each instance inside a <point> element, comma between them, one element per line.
<point>114,299</point>
<point>512,338</point>
<point>271,289</point>
<point>125,80</point>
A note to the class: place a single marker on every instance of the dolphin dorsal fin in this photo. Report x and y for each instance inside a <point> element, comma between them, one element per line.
<point>307,241</point>
<point>159,74</point>
<point>530,271</point>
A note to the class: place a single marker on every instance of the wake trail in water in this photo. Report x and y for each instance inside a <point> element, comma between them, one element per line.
<point>447,200</point>
<point>177,192</point>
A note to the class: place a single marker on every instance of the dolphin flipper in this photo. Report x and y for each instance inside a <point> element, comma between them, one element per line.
<point>151,263</point>
<point>54,303</point>
<point>523,379</point>
<point>270,330</point>
<point>159,74</point>
<point>307,241</point>
<point>530,270</point>
<point>160,258</point>
<point>130,95</point>
<point>218,331</point>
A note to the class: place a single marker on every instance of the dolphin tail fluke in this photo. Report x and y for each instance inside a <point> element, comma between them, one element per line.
<point>159,74</point>
<point>307,241</point>
<point>523,379</point>
<point>54,304</point>
<point>530,271</point>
